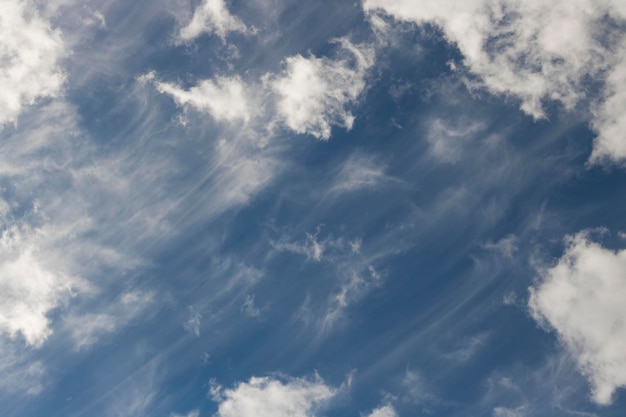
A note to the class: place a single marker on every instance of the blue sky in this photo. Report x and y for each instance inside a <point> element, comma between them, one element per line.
<point>228,208</point>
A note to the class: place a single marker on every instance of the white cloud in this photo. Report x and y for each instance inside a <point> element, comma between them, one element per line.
<point>268,397</point>
<point>193,324</point>
<point>535,51</point>
<point>20,372</point>
<point>249,308</point>
<point>384,411</point>
<point>312,248</point>
<point>359,282</point>
<point>314,92</point>
<point>355,273</point>
<point>224,98</point>
<point>193,413</point>
<point>509,412</point>
<point>30,286</point>
<point>86,329</point>
<point>211,16</point>
<point>582,298</point>
<point>610,116</point>
<point>30,52</point>
<point>507,246</point>
<point>359,172</point>
<point>447,142</point>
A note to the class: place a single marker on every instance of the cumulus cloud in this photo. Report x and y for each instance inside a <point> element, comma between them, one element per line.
<point>313,93</point>
<point>269,397</point>
<point>211,16</point>
<point>224,98</point>
<point>582,298</point>
<point>384,411</point>
<point>30,54</point>
<point>30,285</point>
<point>610,115</point>
<point>535,51</point>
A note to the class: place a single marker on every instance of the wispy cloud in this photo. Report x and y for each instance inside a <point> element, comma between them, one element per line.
<point>519,49</point>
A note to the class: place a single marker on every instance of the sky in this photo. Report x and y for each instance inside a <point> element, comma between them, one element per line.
<point>320,208</point>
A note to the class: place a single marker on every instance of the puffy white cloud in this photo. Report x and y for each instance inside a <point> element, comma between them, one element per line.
<point>211,16</point>
<point>384,411</point>
<point>313,92</point>
<point>268,397</point>
<point>224,98</point>
<point>610,116</point>
<point>30,52</point>
<point>31,286</point>
<point>535,51</point>
<point>582,298</point>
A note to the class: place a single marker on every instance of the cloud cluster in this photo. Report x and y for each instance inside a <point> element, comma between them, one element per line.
<point>308,96</point>
<point>211,16</point>
<point>269,397</point>
<point>30,54</point>
<point>537,51</point>
<point>224,98</point>
<point>314,92</point>
<point>32,284</point>
<point>582,298</point>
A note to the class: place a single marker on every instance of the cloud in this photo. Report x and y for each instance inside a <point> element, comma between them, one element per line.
<point>447,142</point>
<point>384,411</point>
<point>507,246</point>
<point>359,172</point>
<point>355,272</point>
<point>86,329</point>
<point>535,52</point>
<point>224,98</point>
<point>269,397</point>
<point>582,298</point>
<point>21,373</point>
<point>509,412</point>
<point>313,93</point>
<point>30,55</point>
<point>31,285</point>
<point>211,16</point>
<point>193,413</point>
<point>610,115</point>
<point>249,308</point>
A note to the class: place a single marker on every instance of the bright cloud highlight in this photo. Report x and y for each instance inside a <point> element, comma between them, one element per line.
<point>582,298</point>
